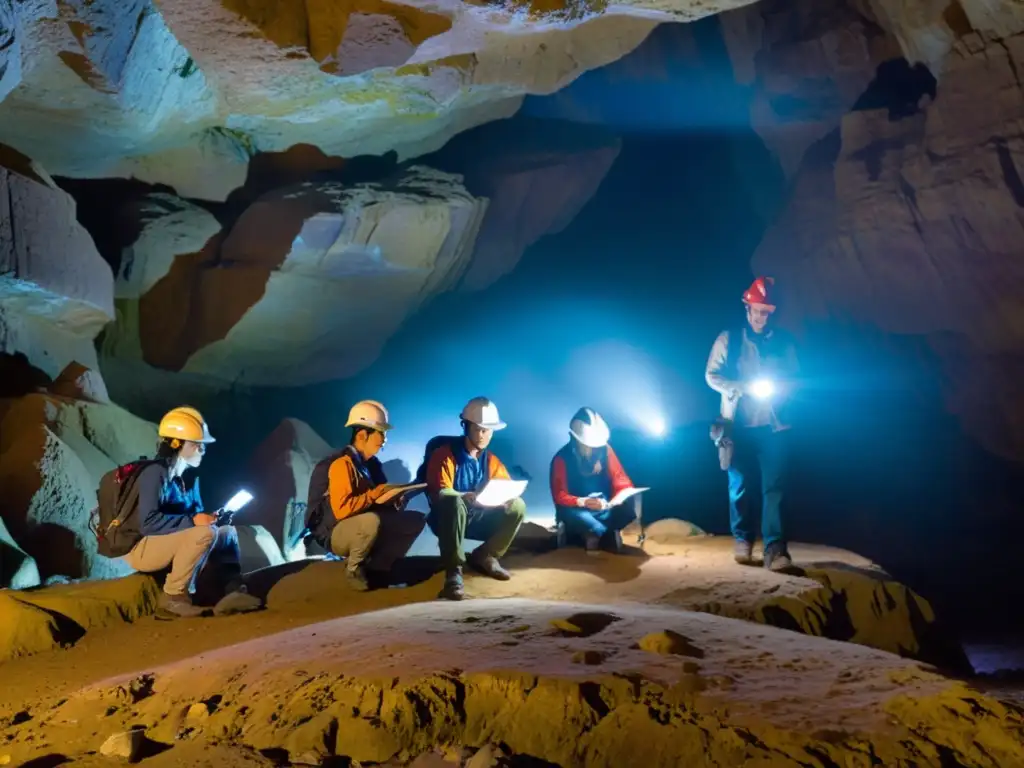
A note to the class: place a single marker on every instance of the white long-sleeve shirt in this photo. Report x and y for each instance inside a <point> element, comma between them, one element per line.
<point>730,369</point>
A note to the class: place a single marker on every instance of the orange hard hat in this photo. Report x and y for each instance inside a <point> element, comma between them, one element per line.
<point>760,292</point>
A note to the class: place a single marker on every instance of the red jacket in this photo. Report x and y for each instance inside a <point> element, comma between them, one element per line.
<point>617,477</point>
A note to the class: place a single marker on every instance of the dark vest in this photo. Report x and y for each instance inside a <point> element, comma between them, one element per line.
<point>580,482</point>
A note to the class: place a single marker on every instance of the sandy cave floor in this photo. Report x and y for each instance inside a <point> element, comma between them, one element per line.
<point>745,687</point>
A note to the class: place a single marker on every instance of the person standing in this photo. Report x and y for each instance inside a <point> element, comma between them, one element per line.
<point>753,368</point>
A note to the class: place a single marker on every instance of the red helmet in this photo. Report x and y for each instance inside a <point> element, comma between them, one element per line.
<point>760,292</point>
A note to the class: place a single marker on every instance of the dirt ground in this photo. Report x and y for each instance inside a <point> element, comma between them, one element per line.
<point>286,681</point>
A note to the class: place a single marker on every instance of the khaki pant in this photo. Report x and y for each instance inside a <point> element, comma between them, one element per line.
<point>453,522</point>
<point>185,551</point>
<point>376,540</point>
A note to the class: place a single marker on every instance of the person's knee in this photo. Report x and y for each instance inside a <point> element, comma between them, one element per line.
<point>451,507</point>
<point>516,509</point>
<point>203,535</point>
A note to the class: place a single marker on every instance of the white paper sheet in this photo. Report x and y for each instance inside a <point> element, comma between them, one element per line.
<point>498,492</point>
<point>624,494</point>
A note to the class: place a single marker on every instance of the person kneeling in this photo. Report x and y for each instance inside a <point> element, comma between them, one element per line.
<point>345,516</point>
<point>455,468</point>
<point>585,475</point>
<point>175,530</point>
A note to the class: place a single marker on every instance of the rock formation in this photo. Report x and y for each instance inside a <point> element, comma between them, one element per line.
<point>307,285</point>
<point>908,216</point>
<point>184,93</point>
<point>56,291</point>
<point>281,468</point>
<point>53,451</point>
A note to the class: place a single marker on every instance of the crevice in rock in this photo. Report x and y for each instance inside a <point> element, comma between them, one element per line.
<point>1011,176</point>
<point>898,88</point>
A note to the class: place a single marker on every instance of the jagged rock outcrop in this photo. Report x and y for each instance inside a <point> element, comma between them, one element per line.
<point>56,291</point>
<point>53,451</point>
<point>281,468</point>
<point>537,176</point>
<point>306,287</point>
<point>910,217</point>
<point>17,569</point>
<point>807,62</point>
<point>185,92</point>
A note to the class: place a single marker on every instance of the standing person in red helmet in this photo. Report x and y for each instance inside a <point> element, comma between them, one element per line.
<point>753,368</point>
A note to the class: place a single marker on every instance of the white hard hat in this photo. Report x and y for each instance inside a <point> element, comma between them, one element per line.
<point>369,413</point>
<point>589,428</point>
<point>483,413</point>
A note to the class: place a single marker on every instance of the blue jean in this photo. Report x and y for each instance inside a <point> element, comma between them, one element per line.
<point>758,448</point>
<point>579,521</point>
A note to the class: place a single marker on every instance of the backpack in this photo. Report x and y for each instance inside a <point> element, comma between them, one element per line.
<point>433,444</point>
<point>319,520</point>
<point>115,520</point>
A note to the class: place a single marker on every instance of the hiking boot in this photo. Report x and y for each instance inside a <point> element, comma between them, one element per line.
<point>777,559</point>
<point>743,551</point>
<point>452,589</point>
<point>356,579</point>
<point>237,601</point>
<point>179,605</point>
<point>591,543</point>
<point>488,566</point>
<point>612,542</point>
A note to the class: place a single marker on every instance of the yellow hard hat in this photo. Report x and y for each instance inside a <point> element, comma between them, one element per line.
<point>185,423</point>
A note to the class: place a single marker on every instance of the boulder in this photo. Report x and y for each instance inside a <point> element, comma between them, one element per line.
<point>56,291</point>
<point>320,276</point>
<point>280,468</point>
<point>53,452</point>
<point>868,234</point>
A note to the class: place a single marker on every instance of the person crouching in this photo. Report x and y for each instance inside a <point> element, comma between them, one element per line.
<point>346,517</point>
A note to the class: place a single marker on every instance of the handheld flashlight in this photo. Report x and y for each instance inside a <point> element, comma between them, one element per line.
<point>762,389</point>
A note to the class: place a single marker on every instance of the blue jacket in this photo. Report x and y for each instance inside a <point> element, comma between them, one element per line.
<point>167,505</point>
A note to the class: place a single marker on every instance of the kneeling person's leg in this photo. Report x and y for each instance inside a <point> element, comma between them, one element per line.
<point>498,528</point>
<point>354,537</point>
<point>449,515</point>
<point>398,530</point>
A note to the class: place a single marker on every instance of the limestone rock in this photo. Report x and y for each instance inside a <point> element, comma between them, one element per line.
<point>10,50</point>
<point>320,276</point>
<point>869,234</point>
<point>774,45</point>
<point>170,228</point>
<point>17,569</point>
<point>53,452</point>
<point>80,383</point>
<point>126,745</point>
<point>186,92</point>
<point>281,467</point>
<point>537,177</point>
<point>56,291</point>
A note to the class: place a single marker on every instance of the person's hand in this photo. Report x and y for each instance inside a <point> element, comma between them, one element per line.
<point>204,519</point>
<point>469,498</point>
<point>377,492</point>
<point>594,504</point>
